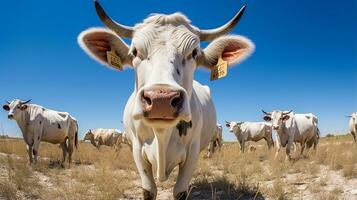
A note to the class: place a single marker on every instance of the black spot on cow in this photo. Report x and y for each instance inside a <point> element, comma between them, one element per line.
<point>59,126</point>
<point>34,152</point>
<point>182,127</point>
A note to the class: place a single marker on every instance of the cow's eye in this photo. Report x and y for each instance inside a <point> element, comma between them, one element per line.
<point>194,53</point>
<point>134,52</point>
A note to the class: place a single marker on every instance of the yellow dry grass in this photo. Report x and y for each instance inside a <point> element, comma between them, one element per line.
<point>328,173</point>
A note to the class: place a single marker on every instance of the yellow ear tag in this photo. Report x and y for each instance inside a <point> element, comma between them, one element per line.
<point>114,60</point>
<point>219,70</point>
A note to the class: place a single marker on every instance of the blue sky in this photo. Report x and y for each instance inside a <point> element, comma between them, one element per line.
<point>305,59</point>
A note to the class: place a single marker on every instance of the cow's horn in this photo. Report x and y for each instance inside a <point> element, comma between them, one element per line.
<point>119,29</point>
<point>8,102</point>
<point>211,34</point>
<point>227,122</point>
<point>266,112</point>
<point>348,116</point>
<point>285,113</point>
<point>25,102</point>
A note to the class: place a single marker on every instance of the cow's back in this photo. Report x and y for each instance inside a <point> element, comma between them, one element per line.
<point>55,125</point>
<point>104,135</point>
<point>208,113</point>
<point>305,125</point>
<point>253,130</point>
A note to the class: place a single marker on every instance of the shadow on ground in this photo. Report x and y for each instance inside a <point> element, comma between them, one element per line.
<point>223,189</point>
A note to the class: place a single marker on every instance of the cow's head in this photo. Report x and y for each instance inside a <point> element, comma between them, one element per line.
<point>233,126</point>
<point>15,108</point>
<point>277,118</point>
<point>353,116</point>
<point>164,53</point>
<point>88,135</point>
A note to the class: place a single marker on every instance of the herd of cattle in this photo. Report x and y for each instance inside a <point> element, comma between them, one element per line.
<point>170,117</point>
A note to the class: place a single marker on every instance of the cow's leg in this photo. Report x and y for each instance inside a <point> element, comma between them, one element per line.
<point>145,171</point>
<point>70,147</point>
<point>29,152</point>
<point>242,146</point>
<point>185,173</point>
<point>209,149</point>
<point>303,144</point>
<point>64,151</point>
<point>36,146</point>
<point>354,134</point>
<point>288,150</point>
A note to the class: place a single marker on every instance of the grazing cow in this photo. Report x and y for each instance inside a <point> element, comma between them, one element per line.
<point>353,125</point>
<point>251,131</point>
<point>126,140</point>
<point>292,127</point>
<point>101,136</point>
<point>216,141</point>
<point>41,124</point>
<point>169,118</point>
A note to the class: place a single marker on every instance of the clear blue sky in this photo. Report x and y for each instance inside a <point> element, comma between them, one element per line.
<point>305,59</point>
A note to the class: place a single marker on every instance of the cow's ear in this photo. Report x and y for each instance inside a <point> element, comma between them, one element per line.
<point>233,49</point>
<point>96,42</point>
<point>23,107</point>
<point>286,118</point>
<point>6,107</point>
<point>267,118</point>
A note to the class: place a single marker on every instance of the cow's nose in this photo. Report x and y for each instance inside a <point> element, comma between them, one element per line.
<point>10,116</point>
<point>276,127</point>
<point>162,103</point>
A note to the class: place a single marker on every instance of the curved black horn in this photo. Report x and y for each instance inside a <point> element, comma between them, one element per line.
<point>25,102</point>
<point>349,116</point>
<point>285,113</point>
<point>121,30</point>
<point>266,112</point>
<point>211,34</point>
<point>8,102</point>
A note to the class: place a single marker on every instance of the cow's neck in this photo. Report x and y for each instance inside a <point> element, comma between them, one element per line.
<point>91,139</point>
<point>162,138</point>
<point>23,123</point>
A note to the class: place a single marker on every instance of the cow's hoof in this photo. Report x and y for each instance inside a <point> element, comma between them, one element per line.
<point>181,196</point>
<point>148,195</point>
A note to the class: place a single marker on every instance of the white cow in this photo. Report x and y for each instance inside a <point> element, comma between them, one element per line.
<point>41,124</point>
<point>292,127</point>
<point>353,125</point>
<point>126,140</point>
<point>169,118</point>
<point>216,141</point>
<point>102,136</point>
<point>251,131</point>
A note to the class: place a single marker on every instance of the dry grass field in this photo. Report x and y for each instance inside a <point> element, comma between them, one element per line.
<point>327,174</point>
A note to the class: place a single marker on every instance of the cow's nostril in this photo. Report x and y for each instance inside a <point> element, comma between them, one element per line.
<point>177,101</point>
<point>148,100</point>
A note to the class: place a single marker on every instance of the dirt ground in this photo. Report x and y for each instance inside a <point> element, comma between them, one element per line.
<point>328,173</point>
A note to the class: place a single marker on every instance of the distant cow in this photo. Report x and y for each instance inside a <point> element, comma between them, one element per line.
<point>169,118</point>
<point>353,125</point>
<point>101,136</point>
<point>251,131</point>
<point>216,141</point>
<point>292,127</point>
<point>41,124</point>
<point>126,140</point>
